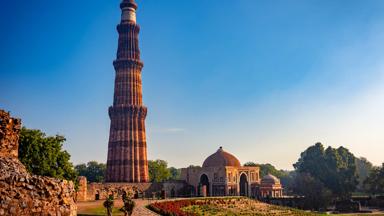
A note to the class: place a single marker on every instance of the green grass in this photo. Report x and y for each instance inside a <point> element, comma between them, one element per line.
<point>98,212</point>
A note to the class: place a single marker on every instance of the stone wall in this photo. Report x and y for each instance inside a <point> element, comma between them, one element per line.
<point>9,135</point>
<point>82,189</point>
<point>101,191</point>
<point>192,176</point>
<point>22,193</point>
<point>178,188</point>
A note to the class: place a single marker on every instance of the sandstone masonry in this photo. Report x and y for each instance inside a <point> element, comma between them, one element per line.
<point>22,193</point>
<point>127,147</point>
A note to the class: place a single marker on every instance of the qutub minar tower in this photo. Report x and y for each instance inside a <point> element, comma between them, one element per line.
<point>127,147</point>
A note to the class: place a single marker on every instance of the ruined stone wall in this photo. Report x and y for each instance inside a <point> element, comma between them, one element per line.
<point>177,188</point>
<point>191,175</point>
<point>82,189</point>
<point>9,135</point>
<point>103,190</point>
<point>22,193</point>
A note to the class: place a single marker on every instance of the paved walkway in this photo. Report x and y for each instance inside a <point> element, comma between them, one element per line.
<point>141,210</point>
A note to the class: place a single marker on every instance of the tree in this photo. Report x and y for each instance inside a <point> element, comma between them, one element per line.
<point>363,170</point>
<point>341,178</point>
<point>129,205</point>
<point>251,164</point>
<point>265,169</point>
<point>335,168</point>
<point>108,204</point>
<point>93,170</point>
<point>317,196</point>
<point>43,155</point>
<point>375,181</point>
<point>175,173</point>
<point>158,170</point>
<point>312,161</point>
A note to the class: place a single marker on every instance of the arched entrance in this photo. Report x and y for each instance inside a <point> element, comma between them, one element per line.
<point>243,185</point>
<point>97,195</point>
<point>204,185</point>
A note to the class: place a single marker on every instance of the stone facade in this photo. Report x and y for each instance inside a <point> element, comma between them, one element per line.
<point>223,175</point>
<point>127,147</point>
<point>22,193</point>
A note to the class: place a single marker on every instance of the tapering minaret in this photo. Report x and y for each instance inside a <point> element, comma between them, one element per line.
<point>127,147</point>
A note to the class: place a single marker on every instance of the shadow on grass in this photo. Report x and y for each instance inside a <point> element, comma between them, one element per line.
<point>99,211</point>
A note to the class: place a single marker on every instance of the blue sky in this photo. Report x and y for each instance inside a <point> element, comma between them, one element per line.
<point>264,79</point>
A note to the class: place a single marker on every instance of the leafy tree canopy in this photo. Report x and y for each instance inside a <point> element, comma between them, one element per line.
<point>317,196</point>
<point>335,168</point>
<point>375,181</point>
<point>93,170</point>
<point>43,155</point>
<point>285,176</point>
<point>158,170</point>
<point>175,173</point>
<point>266,169</point>
<point>363,169</point>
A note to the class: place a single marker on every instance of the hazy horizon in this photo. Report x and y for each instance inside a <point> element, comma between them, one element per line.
<point>264,79</point>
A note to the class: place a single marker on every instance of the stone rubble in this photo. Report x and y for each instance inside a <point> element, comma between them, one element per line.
<point>22,193</point>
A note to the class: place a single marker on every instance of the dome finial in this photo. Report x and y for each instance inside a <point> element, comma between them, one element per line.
<point>221,158</point>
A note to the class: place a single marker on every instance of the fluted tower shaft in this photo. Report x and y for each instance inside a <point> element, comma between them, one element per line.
<point>127,147</point>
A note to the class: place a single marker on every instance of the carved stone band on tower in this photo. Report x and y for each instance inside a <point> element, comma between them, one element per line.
<point>127,147</point>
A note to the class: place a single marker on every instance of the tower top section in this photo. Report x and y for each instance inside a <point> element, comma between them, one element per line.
<point>128,8</point>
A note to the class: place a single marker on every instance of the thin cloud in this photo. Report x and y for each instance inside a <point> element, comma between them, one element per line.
<point>170,130</point>
<point>174,130</point>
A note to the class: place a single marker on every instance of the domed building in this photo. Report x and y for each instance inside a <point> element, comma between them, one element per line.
<point>270,187</point>
<point>223,175</point>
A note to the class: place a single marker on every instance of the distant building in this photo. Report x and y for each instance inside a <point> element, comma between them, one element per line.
<point>270,187</point>
<point>223,175</point>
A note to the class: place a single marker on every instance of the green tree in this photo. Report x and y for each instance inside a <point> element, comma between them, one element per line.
<point>93,170</point>
<point>375,181</point>
<point>335,168</point>
<point>317,196</point>
<point>312,161</point>
<point>266,169</point>
<point>175,173</point>
<point>108,204</point>
<point>129,205</point>
<point>363,169</point>
<point>285,176</point>
<point>43,155</point>
<point>251,164</point>
<point>158,170</point>
<point>341,179</point>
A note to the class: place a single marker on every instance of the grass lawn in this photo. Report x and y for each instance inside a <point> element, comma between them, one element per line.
<point>98,211</point>
<point>97,208</point>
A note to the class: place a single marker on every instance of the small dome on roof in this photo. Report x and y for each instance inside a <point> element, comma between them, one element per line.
<point>221,158</point>
<point>270,179</point>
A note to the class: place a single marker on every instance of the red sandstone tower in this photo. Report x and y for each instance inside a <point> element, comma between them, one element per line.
<point>127,147</point>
